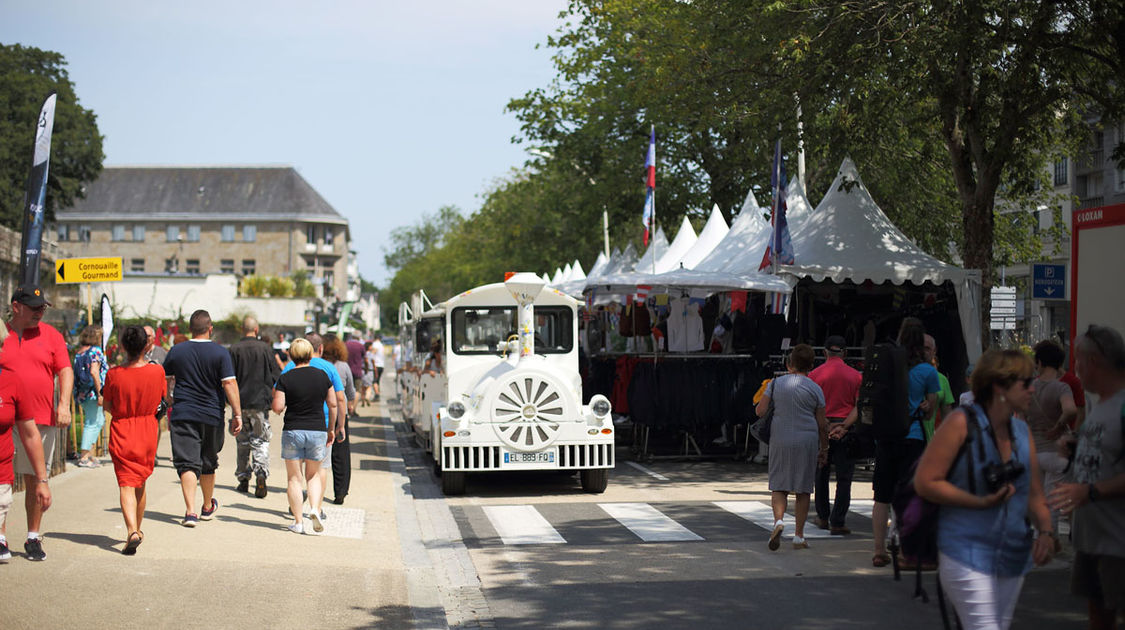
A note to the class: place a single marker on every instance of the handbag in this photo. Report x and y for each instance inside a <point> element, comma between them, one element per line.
<point>761,428</point>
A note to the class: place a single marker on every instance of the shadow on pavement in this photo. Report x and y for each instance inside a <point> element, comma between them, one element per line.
<point>398,616</point>
<point>93,540</point>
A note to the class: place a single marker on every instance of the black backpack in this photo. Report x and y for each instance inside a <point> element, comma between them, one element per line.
<point>883,393</point>
<point>83,379</point>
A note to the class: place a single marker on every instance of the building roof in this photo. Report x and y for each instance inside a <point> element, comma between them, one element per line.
<point>201,193</point>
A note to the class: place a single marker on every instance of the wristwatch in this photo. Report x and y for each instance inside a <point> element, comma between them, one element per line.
<point>43,480</point>
<point>1093,495</point>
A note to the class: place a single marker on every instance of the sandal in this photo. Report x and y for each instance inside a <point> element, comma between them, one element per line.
<point>880,560</point>
<point>135,540</point>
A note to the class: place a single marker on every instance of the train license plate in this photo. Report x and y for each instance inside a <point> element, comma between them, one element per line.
<point>541,457</point>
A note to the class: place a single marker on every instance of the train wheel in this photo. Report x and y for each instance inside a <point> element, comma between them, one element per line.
<point>595,481</point>
<point>452,483</point>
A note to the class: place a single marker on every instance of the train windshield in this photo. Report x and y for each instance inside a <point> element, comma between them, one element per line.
<point>485,330</point>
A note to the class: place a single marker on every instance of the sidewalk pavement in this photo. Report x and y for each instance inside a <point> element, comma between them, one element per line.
<point>242,569</point>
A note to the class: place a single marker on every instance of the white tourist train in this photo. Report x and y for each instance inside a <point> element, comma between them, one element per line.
<point>492,385</point>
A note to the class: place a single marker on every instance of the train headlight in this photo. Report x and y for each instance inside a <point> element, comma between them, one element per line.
<point>456,409</point>
<point>600,406</point>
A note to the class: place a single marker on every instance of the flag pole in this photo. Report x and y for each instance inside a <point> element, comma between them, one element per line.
<point>653,230</point>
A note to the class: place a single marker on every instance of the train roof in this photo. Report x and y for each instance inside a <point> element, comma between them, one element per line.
<point>497,294</point>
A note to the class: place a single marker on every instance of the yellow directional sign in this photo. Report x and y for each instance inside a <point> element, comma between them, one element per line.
<point>87,270</point>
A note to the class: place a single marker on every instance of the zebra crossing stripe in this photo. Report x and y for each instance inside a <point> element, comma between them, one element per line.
<point>648,523</point>
<point>862,507</point>
<point>761,515</point>
<point>521,525</point>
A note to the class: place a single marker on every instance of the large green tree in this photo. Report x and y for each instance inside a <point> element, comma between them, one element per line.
<point>27,76</point>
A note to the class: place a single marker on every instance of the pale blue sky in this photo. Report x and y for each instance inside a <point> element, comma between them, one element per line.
<point>389,109</point>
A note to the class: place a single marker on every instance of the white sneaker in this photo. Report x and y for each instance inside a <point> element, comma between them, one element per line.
<point>775,535</point>
<point>318,526</point>
<point>296,528</point>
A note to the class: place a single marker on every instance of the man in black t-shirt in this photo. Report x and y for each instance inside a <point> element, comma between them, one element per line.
<point>202,373</point>
<point>256,371</point>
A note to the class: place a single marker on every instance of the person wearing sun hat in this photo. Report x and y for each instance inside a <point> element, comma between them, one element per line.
<point>37,353</point>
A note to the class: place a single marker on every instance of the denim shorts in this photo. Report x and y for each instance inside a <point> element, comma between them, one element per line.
<point>303,445</point>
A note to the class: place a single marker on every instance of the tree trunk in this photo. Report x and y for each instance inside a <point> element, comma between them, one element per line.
<point>979,224</point>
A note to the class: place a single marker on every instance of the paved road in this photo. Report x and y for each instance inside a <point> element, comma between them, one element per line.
<point>669,544</point>
<point>679,544</point>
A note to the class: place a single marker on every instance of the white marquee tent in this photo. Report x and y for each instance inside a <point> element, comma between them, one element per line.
<point>848,237</point>
<point>710,236</point>
<point>681,245</point>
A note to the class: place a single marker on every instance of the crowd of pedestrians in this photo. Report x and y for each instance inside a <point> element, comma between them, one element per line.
<point>1019,453</point>
<point>192,382</point>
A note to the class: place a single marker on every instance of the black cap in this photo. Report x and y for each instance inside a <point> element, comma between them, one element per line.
<point>30,295</point>
<point>835,343</point>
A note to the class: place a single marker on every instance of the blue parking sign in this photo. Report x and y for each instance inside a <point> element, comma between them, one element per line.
<point>1048,281</point>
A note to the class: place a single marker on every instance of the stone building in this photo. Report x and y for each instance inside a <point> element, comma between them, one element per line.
<point>168,220</point>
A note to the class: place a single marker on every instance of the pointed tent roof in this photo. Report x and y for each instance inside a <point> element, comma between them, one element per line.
<point>599,264</point>
<point>754,236</point>
<point>557,277</point>
<point>656,248</point>
<point>546,278</point>
<point>738,242</point>
<point>750,204</point>
<point>848,237</point>
<point>566,272</point>
<point>709,237</point>
<point>683,242</point>
<point>576,272</point>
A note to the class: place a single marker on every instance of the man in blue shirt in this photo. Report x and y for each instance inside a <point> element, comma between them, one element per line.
<point>202,373</point>
<point>341,403</point>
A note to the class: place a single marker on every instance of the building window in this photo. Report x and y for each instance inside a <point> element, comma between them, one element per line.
<point>1120,180</point>
<point>172,233</point>
<point>329,281</point>
<point>170,265</point>
<point>310,234</point>
<point>84,233</point>
<point>118,232</point>
<point>249,233</point>
<point>137,265</point>
<point>192,266</point>
<point>248,266</point>
<point>139,233</point>
<point>193,233</point>
<point>64,232</point>
<point>1060,172</point>
<point>329,237</point>
<point>228,234</point>
<point>226,265</point>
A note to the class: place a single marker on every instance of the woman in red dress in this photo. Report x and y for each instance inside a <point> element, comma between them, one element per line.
<point>131,395</point>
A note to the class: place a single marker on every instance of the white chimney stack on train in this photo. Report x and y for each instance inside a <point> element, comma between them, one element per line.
<point>525,287</point>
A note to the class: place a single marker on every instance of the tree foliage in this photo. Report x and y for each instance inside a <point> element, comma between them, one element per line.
<point>27,76</point>
<point>944,106</point>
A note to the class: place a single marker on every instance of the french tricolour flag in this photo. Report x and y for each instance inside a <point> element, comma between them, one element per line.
<point>780,248</point>
<point>648,218</point>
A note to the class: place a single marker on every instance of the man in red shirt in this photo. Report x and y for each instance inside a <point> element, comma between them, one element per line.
<point>29,436</point>
<point>840,384</point>
<point>33,354</point>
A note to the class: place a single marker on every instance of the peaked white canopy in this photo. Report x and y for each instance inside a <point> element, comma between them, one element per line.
<point>748,229</point>
<point>576,272</point>
<point>683,242</point>
<point>757,235</point>
<point>710,236</point>
<point>599,264</point>
<point>567,270</point>
<point>656,248</point>
<point>848,237</point>
<point>557,278</point>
